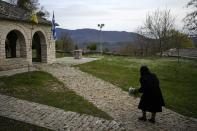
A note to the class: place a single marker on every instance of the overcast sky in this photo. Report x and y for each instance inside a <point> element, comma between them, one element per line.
<point>119,15</point>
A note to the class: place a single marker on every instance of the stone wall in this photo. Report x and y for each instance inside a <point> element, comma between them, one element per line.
<point>15,63</point>
<point>24,50</point>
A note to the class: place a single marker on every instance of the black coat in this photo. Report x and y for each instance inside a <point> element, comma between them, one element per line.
<point>151,99</point>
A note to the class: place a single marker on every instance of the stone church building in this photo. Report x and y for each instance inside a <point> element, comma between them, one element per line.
<point>21,41</point>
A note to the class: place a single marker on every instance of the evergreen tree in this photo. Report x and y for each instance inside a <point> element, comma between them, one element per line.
<point>31,6</point>
<point>28,5</point>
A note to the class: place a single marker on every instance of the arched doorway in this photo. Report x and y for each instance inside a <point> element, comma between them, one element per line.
<point>39,48</point>
<point>15,46</point>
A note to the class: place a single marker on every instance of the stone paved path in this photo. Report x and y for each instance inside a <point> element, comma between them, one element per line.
<point>116,102</point>
<point>72,61</point>
<point>51,117</point>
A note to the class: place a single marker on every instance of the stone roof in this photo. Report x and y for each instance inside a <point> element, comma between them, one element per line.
<point>14,13</point>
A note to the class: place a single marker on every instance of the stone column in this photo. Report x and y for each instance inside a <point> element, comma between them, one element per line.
<point>29,51</point>
<point>44,52</point>
<point>52,52</point>
<point>23,49</point>
<point>2,49</point>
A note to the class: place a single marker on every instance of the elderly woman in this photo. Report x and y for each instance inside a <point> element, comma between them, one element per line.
<point>151,99</point>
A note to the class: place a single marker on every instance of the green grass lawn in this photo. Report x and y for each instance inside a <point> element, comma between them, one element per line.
<point>7,124</point>
<point>178,81</point>
<point>43,88</point>
<point>62,54</point>
<point>93,55</point>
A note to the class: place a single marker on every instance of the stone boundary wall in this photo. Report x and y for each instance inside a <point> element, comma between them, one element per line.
<point>187,53</point>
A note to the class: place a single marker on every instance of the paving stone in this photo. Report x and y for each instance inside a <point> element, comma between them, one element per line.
<point>45,116</point>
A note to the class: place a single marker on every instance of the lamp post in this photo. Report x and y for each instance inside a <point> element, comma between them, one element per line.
<point>100,27</point>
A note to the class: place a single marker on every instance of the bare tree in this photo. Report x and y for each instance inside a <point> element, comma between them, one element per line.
<point>191,18</point>
<point>13,2</point>
<point>65,43</point>
<point>143,41</point>
<point>130,50</point>
<point>157,26</point>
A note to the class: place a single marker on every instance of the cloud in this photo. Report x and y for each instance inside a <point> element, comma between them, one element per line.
<point>116,14</point>
<point>78,10</point>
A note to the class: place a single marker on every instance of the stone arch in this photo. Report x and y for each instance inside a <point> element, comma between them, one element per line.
<point>15,45</point>
<point>39,47</point>
<point>20,31</point>
<point>38,29</point>
<point>15,27</point>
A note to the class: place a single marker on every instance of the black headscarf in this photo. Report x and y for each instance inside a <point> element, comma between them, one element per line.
<point>144,70</point>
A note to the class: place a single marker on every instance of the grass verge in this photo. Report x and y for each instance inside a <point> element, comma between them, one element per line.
<point>63,54</point>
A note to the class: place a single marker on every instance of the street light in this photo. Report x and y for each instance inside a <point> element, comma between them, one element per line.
<point>101,26</point>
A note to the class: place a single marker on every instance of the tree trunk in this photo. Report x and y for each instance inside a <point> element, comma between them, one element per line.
<point>160,47</point>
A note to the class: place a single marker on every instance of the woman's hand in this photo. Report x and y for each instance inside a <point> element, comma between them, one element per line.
<point>133,91</point>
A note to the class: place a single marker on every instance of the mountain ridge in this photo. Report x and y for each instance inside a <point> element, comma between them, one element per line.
<point>87,35</point>
<point>112,40</point>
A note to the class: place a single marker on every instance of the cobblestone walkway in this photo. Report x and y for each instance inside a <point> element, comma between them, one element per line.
<point>73,61</point>
<point>52,118</point>
<point>116,102</point>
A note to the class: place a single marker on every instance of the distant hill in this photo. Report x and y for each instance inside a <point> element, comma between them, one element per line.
<point>112,40</point>
<point>92,35</point>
